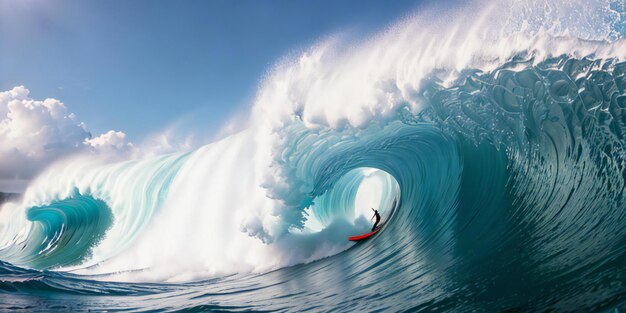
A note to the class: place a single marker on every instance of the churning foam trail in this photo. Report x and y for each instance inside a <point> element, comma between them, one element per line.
<point>319,122</point>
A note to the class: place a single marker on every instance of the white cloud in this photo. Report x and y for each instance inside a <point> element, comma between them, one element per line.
<point>167,141</point>
<point>34,133</point>
<point>111,142</point>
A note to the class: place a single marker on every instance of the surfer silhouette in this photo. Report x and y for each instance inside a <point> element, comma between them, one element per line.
<point>377,216</point>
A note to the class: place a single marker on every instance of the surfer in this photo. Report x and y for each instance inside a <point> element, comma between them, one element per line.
<point>374,229</point>
<point>377,216</point>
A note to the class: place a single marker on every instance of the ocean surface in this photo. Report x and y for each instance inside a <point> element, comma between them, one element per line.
<point>491,137</point>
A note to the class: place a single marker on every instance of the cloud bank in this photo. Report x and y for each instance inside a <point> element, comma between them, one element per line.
<point>34,133</point>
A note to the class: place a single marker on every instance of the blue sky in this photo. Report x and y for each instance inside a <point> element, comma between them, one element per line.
<point>138,66</point>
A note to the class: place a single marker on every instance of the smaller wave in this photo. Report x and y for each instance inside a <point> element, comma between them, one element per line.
<point>63,232</point>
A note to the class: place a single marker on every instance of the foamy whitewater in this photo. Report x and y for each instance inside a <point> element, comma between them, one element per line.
<point>491,137</point>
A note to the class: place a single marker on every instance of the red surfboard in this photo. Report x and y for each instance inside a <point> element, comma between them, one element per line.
<point>364,236</point>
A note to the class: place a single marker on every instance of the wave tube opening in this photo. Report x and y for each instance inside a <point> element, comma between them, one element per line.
<point>352,198</point>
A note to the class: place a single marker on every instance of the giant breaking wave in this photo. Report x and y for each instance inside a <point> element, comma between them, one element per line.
<point>500,153</point>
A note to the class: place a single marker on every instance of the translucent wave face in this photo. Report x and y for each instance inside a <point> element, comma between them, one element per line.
<point>86,215</point>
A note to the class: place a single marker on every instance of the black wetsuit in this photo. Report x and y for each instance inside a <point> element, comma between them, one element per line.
<point>377,220</point>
